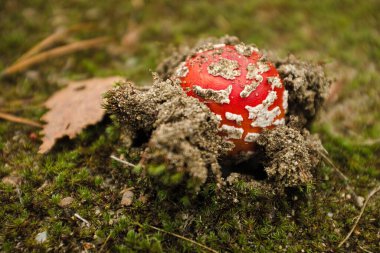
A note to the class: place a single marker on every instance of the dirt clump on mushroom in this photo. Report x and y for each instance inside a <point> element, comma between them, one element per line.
<point>182,133</point>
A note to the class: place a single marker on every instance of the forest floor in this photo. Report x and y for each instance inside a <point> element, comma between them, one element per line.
<point>343,36</point>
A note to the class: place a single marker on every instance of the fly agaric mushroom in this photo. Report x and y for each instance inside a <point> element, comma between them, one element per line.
<point>240,86</point>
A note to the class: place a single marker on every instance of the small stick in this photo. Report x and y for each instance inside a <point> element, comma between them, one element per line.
<point>355,197</point>
<point>24,121</point>
<point>365,250</point>
<point>122,161</point>
<point>53,53</point>
<point>180,237</point>
<point>50,40</point>
<point>373,192</point>
<point>105,242</point>
<point>82,219</point>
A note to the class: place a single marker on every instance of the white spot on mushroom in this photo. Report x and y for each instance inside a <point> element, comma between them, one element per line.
<point>251,137</point>
<point>285,97</point>
<point>219,96</point>
<point>279,122</point>
<point>236,117</point>
<point>41,237</point>
<point>274,81</point>
<point>261,115</point>
<point>218,117</point>
<point>254,71</point>
<point>269,100</point>
<point>228,69</point>
<point>249,88</point>
<point>216,46</point>
<point>245,50</point>
<point>233,132</point>
<point>182,70</point>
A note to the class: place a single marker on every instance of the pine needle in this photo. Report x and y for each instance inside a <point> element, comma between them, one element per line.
<point>51,39</point>
<point>12,118</point>
<point>53,53</point>
<point>122,161</point>
<point>357,201</point>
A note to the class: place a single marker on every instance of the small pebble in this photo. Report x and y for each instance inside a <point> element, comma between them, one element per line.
<point>127,198</point>
<point>41,237</point>
<point>12,180</point>
<point>65,202</point>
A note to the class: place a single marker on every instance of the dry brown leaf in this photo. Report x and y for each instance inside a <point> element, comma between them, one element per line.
<point>12,180</point>
<point>74,108</point>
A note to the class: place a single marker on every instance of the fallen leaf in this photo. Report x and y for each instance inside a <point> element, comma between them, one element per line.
<point>74,108</point>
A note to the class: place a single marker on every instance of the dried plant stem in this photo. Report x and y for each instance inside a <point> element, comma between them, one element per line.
<point>76,215</point>
<point>358,203</point>
<point>105,242</point>
<point>16,119</point>
<point>370,194</point>
<point>51,39</point>
<point>180,237</point>
<point>53,53</point>
<point>122,161</point>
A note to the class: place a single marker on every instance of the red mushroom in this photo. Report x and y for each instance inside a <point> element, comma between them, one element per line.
<point>240,86</point>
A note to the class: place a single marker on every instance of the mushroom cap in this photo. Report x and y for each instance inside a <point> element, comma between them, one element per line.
<point>240,86</point>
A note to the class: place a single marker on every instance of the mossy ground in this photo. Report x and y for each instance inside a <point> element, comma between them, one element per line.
<point>342,34</point>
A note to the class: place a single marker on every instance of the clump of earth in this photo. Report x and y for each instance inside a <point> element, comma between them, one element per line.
<point>167,128</point>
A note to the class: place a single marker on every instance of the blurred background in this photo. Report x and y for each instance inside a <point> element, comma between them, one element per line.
<point>342,35</point>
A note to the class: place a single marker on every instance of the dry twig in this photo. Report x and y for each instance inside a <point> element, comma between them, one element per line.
<point>357,200</point>
<point>82,219</point>
<point>53,53</point>
<point>105,242</point>
<point>16,119</point>
<point>370,194</point>
<point>180,237</point>
<point>122,161</point>
<point>51,39</point>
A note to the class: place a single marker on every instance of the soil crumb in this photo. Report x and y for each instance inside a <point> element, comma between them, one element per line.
<point>307,86</point>
<point>291,154</point>
<point>180,128</point>
<point>182,133</point>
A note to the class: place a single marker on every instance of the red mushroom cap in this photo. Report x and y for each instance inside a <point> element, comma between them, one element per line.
<point>240,86</point>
